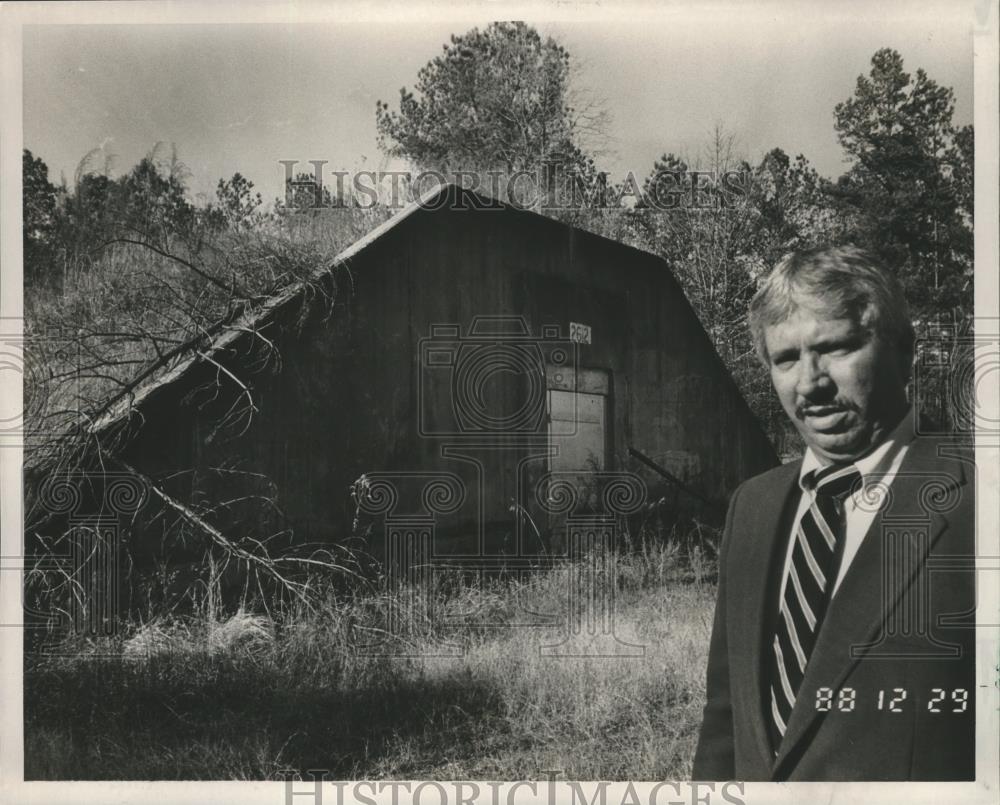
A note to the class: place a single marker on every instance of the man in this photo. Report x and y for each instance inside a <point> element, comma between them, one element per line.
<point>842,646</point>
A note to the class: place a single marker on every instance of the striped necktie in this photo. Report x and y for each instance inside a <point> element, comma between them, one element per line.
<point>808,587</point>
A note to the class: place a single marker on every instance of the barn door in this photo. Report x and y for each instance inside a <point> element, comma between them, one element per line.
<point>579,430</point>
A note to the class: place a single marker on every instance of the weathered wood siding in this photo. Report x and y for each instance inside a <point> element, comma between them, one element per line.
<point>345,400</point>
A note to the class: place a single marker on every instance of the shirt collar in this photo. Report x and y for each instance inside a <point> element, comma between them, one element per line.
<point>871,464</point>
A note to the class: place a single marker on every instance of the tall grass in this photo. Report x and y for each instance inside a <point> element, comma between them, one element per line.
<point>461,689</point>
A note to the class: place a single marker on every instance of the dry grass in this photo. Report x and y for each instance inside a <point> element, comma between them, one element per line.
<point>245,696</point>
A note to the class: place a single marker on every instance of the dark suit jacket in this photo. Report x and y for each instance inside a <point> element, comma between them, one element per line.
<point>900,621</point>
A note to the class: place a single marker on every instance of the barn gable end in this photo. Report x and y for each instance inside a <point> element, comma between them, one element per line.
<point>485,347</point>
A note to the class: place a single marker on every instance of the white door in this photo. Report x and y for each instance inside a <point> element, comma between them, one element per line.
<point>577,431</point>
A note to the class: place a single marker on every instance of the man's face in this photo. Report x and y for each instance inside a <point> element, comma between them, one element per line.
<point>842,386</point>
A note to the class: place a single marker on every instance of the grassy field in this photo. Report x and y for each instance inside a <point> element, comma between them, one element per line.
<point>246,696</point>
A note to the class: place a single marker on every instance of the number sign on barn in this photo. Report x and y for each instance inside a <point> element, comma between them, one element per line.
<point>580,333</point>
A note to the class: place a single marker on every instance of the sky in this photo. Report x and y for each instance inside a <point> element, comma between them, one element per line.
<point>241,97</point>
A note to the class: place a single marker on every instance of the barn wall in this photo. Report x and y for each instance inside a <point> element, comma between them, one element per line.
<point>673,398</point>
<point>351,379</point>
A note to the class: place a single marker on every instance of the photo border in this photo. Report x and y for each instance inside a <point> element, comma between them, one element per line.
<point>984,26</point>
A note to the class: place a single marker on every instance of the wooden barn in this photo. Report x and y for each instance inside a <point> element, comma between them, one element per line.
<point>477,363</point>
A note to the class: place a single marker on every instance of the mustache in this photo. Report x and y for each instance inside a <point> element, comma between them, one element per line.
<point>834,406</point>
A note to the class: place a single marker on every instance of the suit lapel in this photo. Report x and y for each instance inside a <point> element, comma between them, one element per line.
<point>857,613</point>
<point>751,566</point>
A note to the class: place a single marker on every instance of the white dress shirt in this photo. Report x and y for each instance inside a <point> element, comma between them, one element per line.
<point>878,469</point>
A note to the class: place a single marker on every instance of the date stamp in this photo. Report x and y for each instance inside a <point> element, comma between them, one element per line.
<point>895,700</point>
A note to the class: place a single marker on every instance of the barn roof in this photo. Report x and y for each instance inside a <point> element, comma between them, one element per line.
<point>225,333</point>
